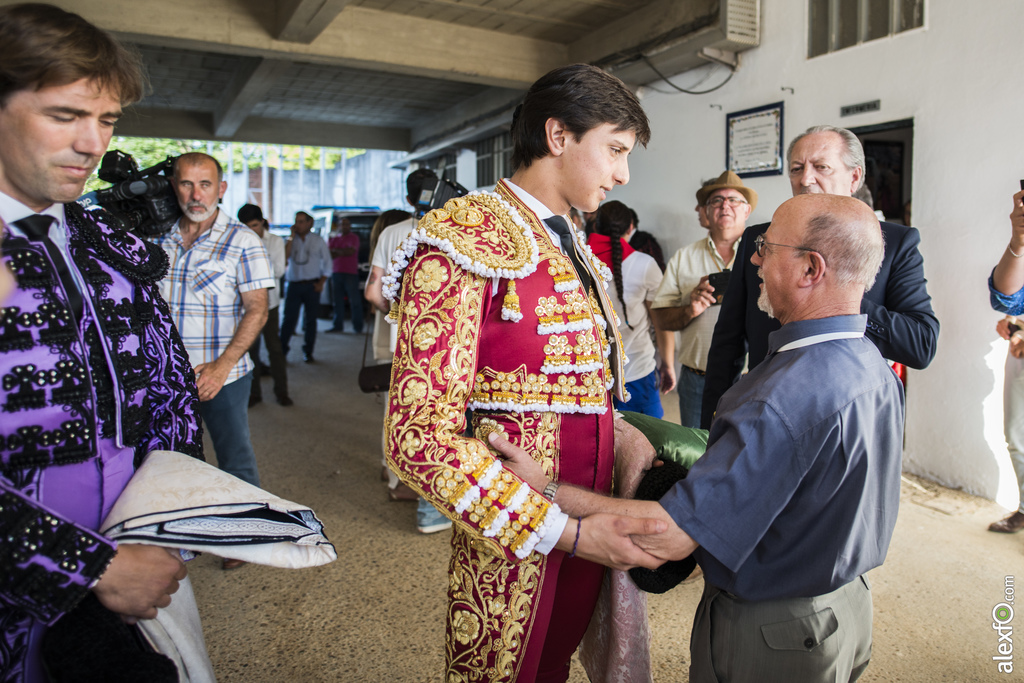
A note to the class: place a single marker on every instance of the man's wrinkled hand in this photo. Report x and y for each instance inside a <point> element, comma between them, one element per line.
<point>519,461</point>
<point>210,378</point>
<point>671,544</point>
<point>140,579</point>
<point>634,455</point>
<point>606,539</point>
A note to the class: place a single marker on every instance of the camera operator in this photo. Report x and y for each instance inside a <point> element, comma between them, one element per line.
<point>1006,291</point>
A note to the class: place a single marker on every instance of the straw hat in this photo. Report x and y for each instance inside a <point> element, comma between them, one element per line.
<point>727,181</point>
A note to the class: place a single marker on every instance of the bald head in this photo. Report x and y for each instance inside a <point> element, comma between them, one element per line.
<point>846,232</point>
<point>198,159</point>
<point>818,257</point>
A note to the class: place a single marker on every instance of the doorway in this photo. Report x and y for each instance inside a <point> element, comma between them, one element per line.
<point>888,167</point>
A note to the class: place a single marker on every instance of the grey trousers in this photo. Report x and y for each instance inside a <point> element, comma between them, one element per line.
<point>823,638</point>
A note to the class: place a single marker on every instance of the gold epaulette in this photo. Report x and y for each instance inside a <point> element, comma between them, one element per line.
<point>481,232</point>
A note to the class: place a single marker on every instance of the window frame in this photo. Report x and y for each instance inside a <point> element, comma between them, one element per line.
<point>833,18</point>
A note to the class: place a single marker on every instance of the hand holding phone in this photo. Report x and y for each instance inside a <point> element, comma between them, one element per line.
<point>720,281</point>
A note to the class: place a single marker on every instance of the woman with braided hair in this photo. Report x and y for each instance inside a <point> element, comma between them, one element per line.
<point>636,280</point>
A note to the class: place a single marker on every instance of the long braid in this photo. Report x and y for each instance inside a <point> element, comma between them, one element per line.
<point>617,273</point>
<point>614,221</point>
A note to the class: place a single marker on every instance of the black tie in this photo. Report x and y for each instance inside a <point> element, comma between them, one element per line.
<point>37,228</point>
<point>560,226</point>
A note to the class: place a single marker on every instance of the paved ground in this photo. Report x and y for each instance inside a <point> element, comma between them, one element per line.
<point>377,614</point>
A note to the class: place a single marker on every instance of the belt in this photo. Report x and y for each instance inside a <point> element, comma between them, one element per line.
<point>708,587</point>
<point>301,282</point>
<point>699,373</point>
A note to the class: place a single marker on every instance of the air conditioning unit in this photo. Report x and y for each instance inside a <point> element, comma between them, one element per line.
<point>715,31</point>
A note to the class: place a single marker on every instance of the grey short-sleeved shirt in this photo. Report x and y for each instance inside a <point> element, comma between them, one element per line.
<point>798,492</point>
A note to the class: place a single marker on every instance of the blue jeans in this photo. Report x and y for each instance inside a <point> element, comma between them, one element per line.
<point>691,397</point>
<point>226,418</point>
<point>300,294</point>
<point>347,284</point>
<point>643,396</point>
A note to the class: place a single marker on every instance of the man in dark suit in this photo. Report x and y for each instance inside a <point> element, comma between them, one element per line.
<point>901,323</point>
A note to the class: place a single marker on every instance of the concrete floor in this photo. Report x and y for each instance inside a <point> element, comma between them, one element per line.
<point>377,614</point>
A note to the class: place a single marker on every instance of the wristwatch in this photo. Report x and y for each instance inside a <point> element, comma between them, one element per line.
<point>550,489</point>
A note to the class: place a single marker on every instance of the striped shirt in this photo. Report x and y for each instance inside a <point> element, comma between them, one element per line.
<point>204,287</point>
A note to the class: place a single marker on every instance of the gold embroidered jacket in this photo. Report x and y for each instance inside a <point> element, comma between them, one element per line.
<point>548,354</point>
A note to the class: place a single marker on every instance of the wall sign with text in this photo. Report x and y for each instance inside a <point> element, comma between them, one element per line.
<point>753,141</point>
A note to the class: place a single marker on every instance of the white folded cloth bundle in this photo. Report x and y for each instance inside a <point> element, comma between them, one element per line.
<point>177,501</point>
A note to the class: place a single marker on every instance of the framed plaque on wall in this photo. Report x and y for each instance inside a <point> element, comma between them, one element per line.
<point>753,141</point>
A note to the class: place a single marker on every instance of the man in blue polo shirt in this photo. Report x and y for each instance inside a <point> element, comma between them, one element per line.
<point>796,497</point>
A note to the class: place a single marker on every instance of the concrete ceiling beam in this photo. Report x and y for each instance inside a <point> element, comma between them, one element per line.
<point>302,21</point>
<point>482,114</point>
<point>358,38</point>
<point>189,125</point>
<point>248,87</point>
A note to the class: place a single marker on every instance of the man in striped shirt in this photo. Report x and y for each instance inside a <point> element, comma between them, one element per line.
<point>217,290</point>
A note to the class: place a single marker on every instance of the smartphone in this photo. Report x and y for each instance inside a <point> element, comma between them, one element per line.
<point>1022,184</point>
<point>720,281</point>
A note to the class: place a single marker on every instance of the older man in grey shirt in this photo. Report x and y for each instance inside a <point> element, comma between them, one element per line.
<point>796,497</point>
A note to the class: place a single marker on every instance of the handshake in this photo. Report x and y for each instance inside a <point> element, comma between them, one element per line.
<point>616,532</point>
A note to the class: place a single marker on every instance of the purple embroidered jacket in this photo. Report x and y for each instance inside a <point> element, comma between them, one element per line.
<point>79,408</point>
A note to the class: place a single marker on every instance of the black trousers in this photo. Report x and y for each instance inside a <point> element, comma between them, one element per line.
<point>278,367</point>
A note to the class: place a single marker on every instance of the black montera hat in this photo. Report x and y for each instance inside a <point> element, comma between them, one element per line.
<point>655,484</point>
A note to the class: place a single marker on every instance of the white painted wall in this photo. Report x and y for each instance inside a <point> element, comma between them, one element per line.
<point>960,79</point>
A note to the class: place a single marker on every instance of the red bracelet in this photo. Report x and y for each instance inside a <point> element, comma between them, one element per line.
<point>579,523</point>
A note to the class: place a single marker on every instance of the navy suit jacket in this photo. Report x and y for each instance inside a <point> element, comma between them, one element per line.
<point>901,322</point>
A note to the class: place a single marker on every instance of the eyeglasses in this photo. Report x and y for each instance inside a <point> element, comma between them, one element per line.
<point>760,244</point>
<point>717,202</point>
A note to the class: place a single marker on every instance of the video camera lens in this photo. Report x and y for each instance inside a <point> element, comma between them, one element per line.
<point>143,200</point>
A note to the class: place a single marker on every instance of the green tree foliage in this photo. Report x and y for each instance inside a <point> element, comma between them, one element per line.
<point>150,151</point>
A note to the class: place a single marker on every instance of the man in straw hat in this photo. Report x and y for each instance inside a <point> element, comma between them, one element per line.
<point>686,301</point>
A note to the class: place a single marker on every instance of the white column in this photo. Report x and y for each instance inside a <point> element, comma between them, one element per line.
<point>323,176</point>
<point>302,176</point>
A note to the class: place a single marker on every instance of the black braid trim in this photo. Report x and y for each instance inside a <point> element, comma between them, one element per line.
<point>133,257</point>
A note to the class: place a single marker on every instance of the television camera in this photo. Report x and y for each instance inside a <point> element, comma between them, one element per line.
<point>435,192</point>
<point>144,200</point>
